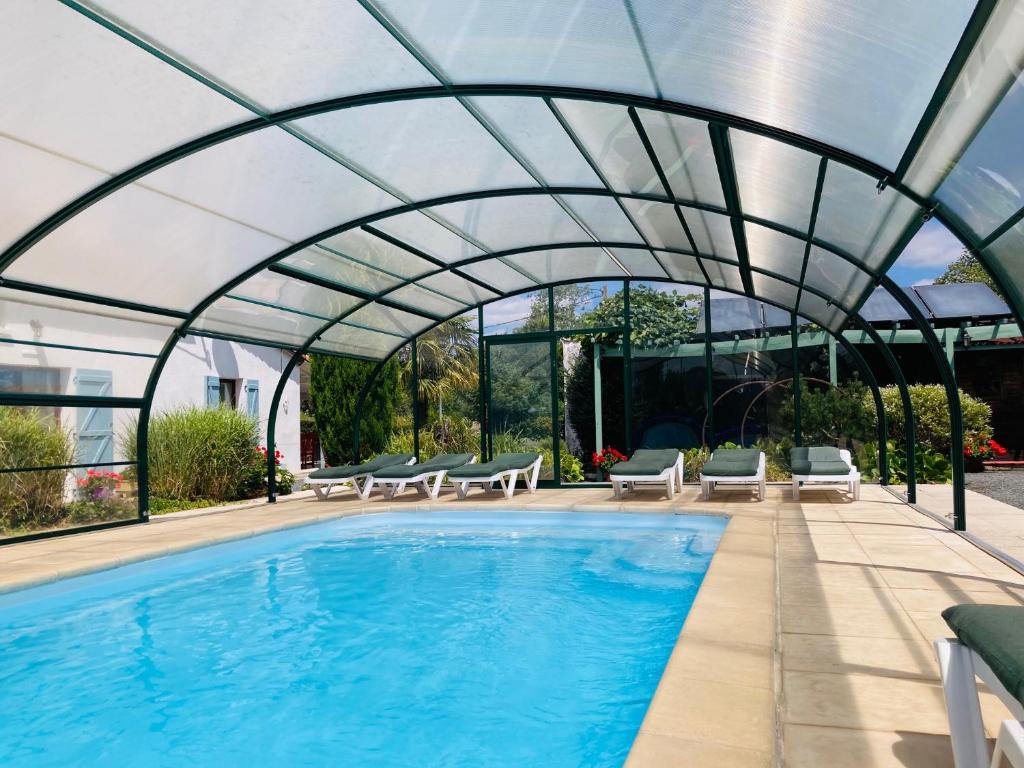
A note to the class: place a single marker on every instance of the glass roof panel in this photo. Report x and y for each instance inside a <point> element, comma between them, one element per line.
<point>424,234</point>
<point>322,263</point>
<point>774,290</point>
<point>612,142</point>
<point>426,301</point>
<point>986,186</point>
<point>604,218</point>
<point>733,313</point>
<point>639,261</point>
<point>495,272</point>
<point>388,319</point>
<point>1006,253</point>
<point>533,41</point>
<point>532,129</point>
<point>723,275</point>
<point>458,288</point>
<point>45,183</point>
<point>142,246</point>
<point>658,222</point>
<point>683,147</point>
<point>856,217</point>
<point>288,293</point>
<point>992,66</point>
<point>35,369</point>
<point>682,268</point>
<point>73,88</point>
<point>512,222</point>
<point>712,232</point>
<point>775,251</point>
<point>278,57</point>
<point>776,180</point>
<point>365,247</point>
<point>424,148</point>
<point>32,317</point>
<point>271,181</point>
<point>567,264</point>
<point>854,75</point>
<point>818,310</point>
<point>234,317</point>
<point>967,300</point>
<point>835,277</point>
<point>349,340</point>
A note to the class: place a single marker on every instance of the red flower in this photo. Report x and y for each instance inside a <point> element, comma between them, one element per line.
<point>999,450</point>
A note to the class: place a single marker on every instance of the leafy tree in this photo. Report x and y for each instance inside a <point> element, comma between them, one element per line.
<point>967,269</point>
<point>335,384</point>
<point>658,319</point>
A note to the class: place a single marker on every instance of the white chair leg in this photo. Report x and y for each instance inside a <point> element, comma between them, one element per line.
<point>435,489</point>
<point>762,489</point>
<point>535,477</point>
<point>319,491</point>
<point>796,489</point>
<point>388,489</point>
<point>670,485</point>
<point>460,489</point>
<point>960,690</point>
<point>1009,745</point>
<point>856,489</point>
<point>363,492</point>
<point>509,485</point>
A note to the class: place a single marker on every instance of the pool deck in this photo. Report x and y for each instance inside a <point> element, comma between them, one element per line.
<point>808,644</point>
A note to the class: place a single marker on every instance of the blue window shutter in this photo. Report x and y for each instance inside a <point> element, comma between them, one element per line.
<point>95,426</point>
<point>212,392</point>
<point>252,398</point>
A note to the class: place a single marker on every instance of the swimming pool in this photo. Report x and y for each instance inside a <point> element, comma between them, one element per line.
<point>396,639</point>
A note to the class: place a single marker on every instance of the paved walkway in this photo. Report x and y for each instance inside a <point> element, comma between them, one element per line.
<point>808,645</point>
<point>995,522</point>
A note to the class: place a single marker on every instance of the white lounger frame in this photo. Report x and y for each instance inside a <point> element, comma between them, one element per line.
<point>669,476</point>
<point>344,483</point>
<point>852,478</point>
<point>959,665</point>
<point>393,486</point>
<point>708,482</point>
<point>506,478</point>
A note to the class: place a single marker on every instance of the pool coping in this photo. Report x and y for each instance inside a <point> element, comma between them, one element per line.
<point>715,703</point>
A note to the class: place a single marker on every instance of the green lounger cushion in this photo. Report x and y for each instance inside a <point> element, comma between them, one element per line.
<point>350,470</point>
<point>443,461</point>
<point>996,633</point>
<point>823,460</point>
<point>502,463</point>
<point>646,461</point>
<point>732,462</point>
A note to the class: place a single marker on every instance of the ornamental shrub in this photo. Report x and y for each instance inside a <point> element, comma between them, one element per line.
<point>931,415</point>
<point>30,439</point>
<point>199,453</point>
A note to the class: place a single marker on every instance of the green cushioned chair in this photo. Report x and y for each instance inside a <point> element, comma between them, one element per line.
<point>989,646</point>
<point>349,475</point>
<point>503,469</point>
<point>394,479</point>
<point>823,464</point>
<point>733,466</point>
<point>653,466</point>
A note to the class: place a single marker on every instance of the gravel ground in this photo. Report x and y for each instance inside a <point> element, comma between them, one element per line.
<point>1005,485</point>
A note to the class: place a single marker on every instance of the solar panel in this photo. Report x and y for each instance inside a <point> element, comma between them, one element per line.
<point>881,307</point>
<point>962,300</point>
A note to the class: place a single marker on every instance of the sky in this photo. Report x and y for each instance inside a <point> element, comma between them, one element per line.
<point>927,256</point>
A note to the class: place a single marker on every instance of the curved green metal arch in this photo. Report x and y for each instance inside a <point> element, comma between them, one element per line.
<point>855,354</point>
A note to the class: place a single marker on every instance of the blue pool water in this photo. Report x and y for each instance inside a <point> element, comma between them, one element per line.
<point>406,639</point>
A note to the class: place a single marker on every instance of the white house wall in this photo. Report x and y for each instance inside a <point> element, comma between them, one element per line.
<point>195,358</point>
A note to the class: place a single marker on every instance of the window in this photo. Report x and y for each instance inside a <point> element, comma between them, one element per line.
<point>221,392</point>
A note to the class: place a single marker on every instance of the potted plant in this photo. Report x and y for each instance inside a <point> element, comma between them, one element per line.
<point>978,447</point>
<point>605,460</point>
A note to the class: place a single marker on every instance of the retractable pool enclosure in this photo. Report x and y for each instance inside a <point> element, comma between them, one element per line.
<point>340,177</point>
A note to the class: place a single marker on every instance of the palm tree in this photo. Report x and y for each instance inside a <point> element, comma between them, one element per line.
<point>447,361</point>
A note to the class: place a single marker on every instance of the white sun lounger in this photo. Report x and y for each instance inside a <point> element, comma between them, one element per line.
<point>393,480</point>
<point>708,482</point>
<point>625,479</point>
<point>324,480</point>
<point>505,470</point>
<point>851,478</point>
